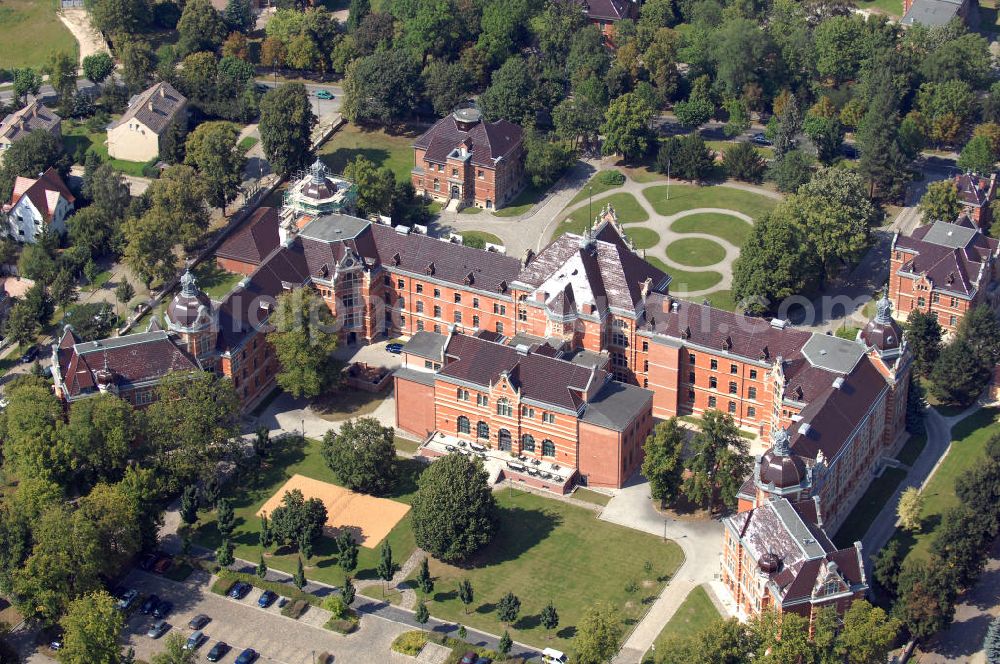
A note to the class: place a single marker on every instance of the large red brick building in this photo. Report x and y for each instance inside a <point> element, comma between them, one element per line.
<point>468,160</point>
<point>945,268</point>
<point>538,401</point>
<point>606,14</point>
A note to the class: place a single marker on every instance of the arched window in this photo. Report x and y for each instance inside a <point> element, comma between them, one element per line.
<point>548,448</point>
<point>483,430</point>
<point>503,440</point>
<point>527,443</point>
<point>504,408</point>
<point>463,424</point>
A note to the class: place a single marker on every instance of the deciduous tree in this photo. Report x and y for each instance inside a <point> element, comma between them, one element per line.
<point>598,635</point>
<point>743,161</point>
<point>383,88</point>
<point>663,465</point>
<point>626,126</point>
<point>454,511</point>
<point>297,520</point>
<point>212,149</point>
<point>304,336</point>
<point>362,454</point>
<point>465,593</point>
<point>911,503</point>
<point>940,201</point>
<point>375,186</point>
<point>286,122</point>
<point>175,652</point>
<point>201,27</point>
<point>721,460</point>
<point>978,156</point>
<point>91,628</point>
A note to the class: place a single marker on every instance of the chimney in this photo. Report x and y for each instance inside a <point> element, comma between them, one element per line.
<point>163,92</point>
<point>646,285</point>
<point>150,104</point>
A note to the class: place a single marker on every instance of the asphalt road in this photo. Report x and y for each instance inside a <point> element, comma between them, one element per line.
<point>47,93</point>
<point>320,107</point>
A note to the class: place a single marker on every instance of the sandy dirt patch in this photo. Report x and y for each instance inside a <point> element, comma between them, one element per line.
<point>78,22</point>
<point>368,518</point>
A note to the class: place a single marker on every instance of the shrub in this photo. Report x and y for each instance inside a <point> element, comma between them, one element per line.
<point>295,609</point>
<point>343,625</point>
<point>336,606</point>
<point>223,585</point>
<point>324,658</point>
<point>410,643</point>
<point>611,178</point>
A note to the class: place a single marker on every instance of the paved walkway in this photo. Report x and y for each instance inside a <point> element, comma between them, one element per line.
<point>701,542</point>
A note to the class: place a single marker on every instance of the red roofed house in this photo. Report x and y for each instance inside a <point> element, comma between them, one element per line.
<point>37,204</point>
<point>466,159</point>
<point>945,268</point>
<point>606,13</point>
<point>975,193</point>
<point>247,247</point>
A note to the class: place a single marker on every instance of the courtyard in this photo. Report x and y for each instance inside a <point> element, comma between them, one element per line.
<point>692,232</point>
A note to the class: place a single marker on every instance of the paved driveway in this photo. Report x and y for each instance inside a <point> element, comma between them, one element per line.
<point>242,624</point>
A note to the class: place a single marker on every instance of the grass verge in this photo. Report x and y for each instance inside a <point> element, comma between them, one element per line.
<point>588,496</point>
<point>732,229</point>
<point>375,145</point>
<point>694,614</point>
<point>912,449</point>
<point>30,32</point>
<point>523,202</point>
<point>594,187</point>
<point>688,196</point>
<point>627,208</point>
<point>695,252</point>
<point>685,281</point>
<point>76,136</point>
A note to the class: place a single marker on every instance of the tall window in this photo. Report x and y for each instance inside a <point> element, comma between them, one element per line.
<point>463,424</point>
<point>549,418</point>
<point>548,448</point>
<point>504,408</point>
<point>437,311</point>
<point>751,392</point>
<point>732,387</point>
<point>499,327</point>
<point>420,307</point>
<point>483,430</point>
<point>475,321</point>
<point>482,400</point>
<point>713,382</point>
<point>503,440</point>
<point>458,316</point>
<point>463,394</point>
<point>527,443</point>
<point>715,365</point>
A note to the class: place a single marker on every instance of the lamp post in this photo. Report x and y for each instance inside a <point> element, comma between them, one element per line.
<point>668,178</point>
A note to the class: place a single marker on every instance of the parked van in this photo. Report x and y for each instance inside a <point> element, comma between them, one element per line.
<point>195,640</point>
<point>553,656</point>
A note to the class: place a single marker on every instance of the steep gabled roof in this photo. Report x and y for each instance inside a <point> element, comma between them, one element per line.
<point>951,255</point>
<point>34,116</point>
<point>608,10</point>
<point>488,142</point>
<point>254,240</point>
<point>43,192</point>
<point>154,107</point>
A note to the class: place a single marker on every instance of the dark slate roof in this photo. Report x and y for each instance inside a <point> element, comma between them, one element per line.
<point>743,336</point>
<point>603,264</point>
<point>254,240</point>
<point>445,261</point>
<point>538,377</point>
<point>608,10</point>
<point>131,359</point>
<point>932,13</point>
<point>830,417</point>
<point>426,344</point>
<point>973,189</point>
<point>422,377</point>
<point>950,255</point>
<point>154,107</point>
<point>43,192</point>
<point>617,405</point>
<point>488,142</point>
<point>34,116</point>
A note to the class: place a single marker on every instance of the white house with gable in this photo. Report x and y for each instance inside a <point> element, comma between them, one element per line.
<point>37,204</point>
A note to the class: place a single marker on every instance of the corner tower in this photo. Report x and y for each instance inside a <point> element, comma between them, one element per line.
<point>190,317</point>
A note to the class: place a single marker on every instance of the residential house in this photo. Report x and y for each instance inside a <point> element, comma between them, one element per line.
<point>605,14</point>
<point>468,160</point>
<point>944,268</point>
<point>38,204</point>
<point>938,13</point>
<point>136,135</point>
<point>36,116</point>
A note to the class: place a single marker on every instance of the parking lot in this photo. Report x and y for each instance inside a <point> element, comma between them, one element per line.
<point>241,624</point>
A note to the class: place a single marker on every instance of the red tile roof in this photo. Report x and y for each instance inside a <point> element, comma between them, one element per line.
<point>43,192</point>
<point>254,240</point>
<point>132,359</point>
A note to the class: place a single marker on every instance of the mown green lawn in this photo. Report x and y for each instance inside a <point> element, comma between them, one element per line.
<point>967,451</point>
<point>732,229</point>
<point>545,551</point>
<point>686,281</point>
<point>720,299</point>
<point>215,281</point>
<point>589,496</point>
<point>377,146</point>
<point>693,615</point>
<point>695,252</point>
<point>643,238</point>
<point>687,197</point>
<point>481,235</point>
<point>594,187</point>
<point>888,7</point>
<point>523,202</point>
<point>912,449</point>
<point>30,32</point>
<point>627,208</point>
<point>868,507</point>
<point>76,136</point>
<point>249,493</point>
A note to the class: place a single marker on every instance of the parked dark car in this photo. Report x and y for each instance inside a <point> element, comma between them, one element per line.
<point>163,609</point>
<point>395,349</point>
<point>266,599</point>
<point>163,565</point>
<point>239,590</point>
<point>29,355</point>
<point>195,640</point>
<point>127,599</point>
<point>158,629</point>
<point>760,139</point>
<point>149,605</point>
<point>247,656</point>
<point>199,621</point>
<point>218,651</point>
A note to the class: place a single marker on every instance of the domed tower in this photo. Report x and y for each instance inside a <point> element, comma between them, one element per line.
<point>189,316</point>
<point>882,333</point>
<point>779,472</point>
